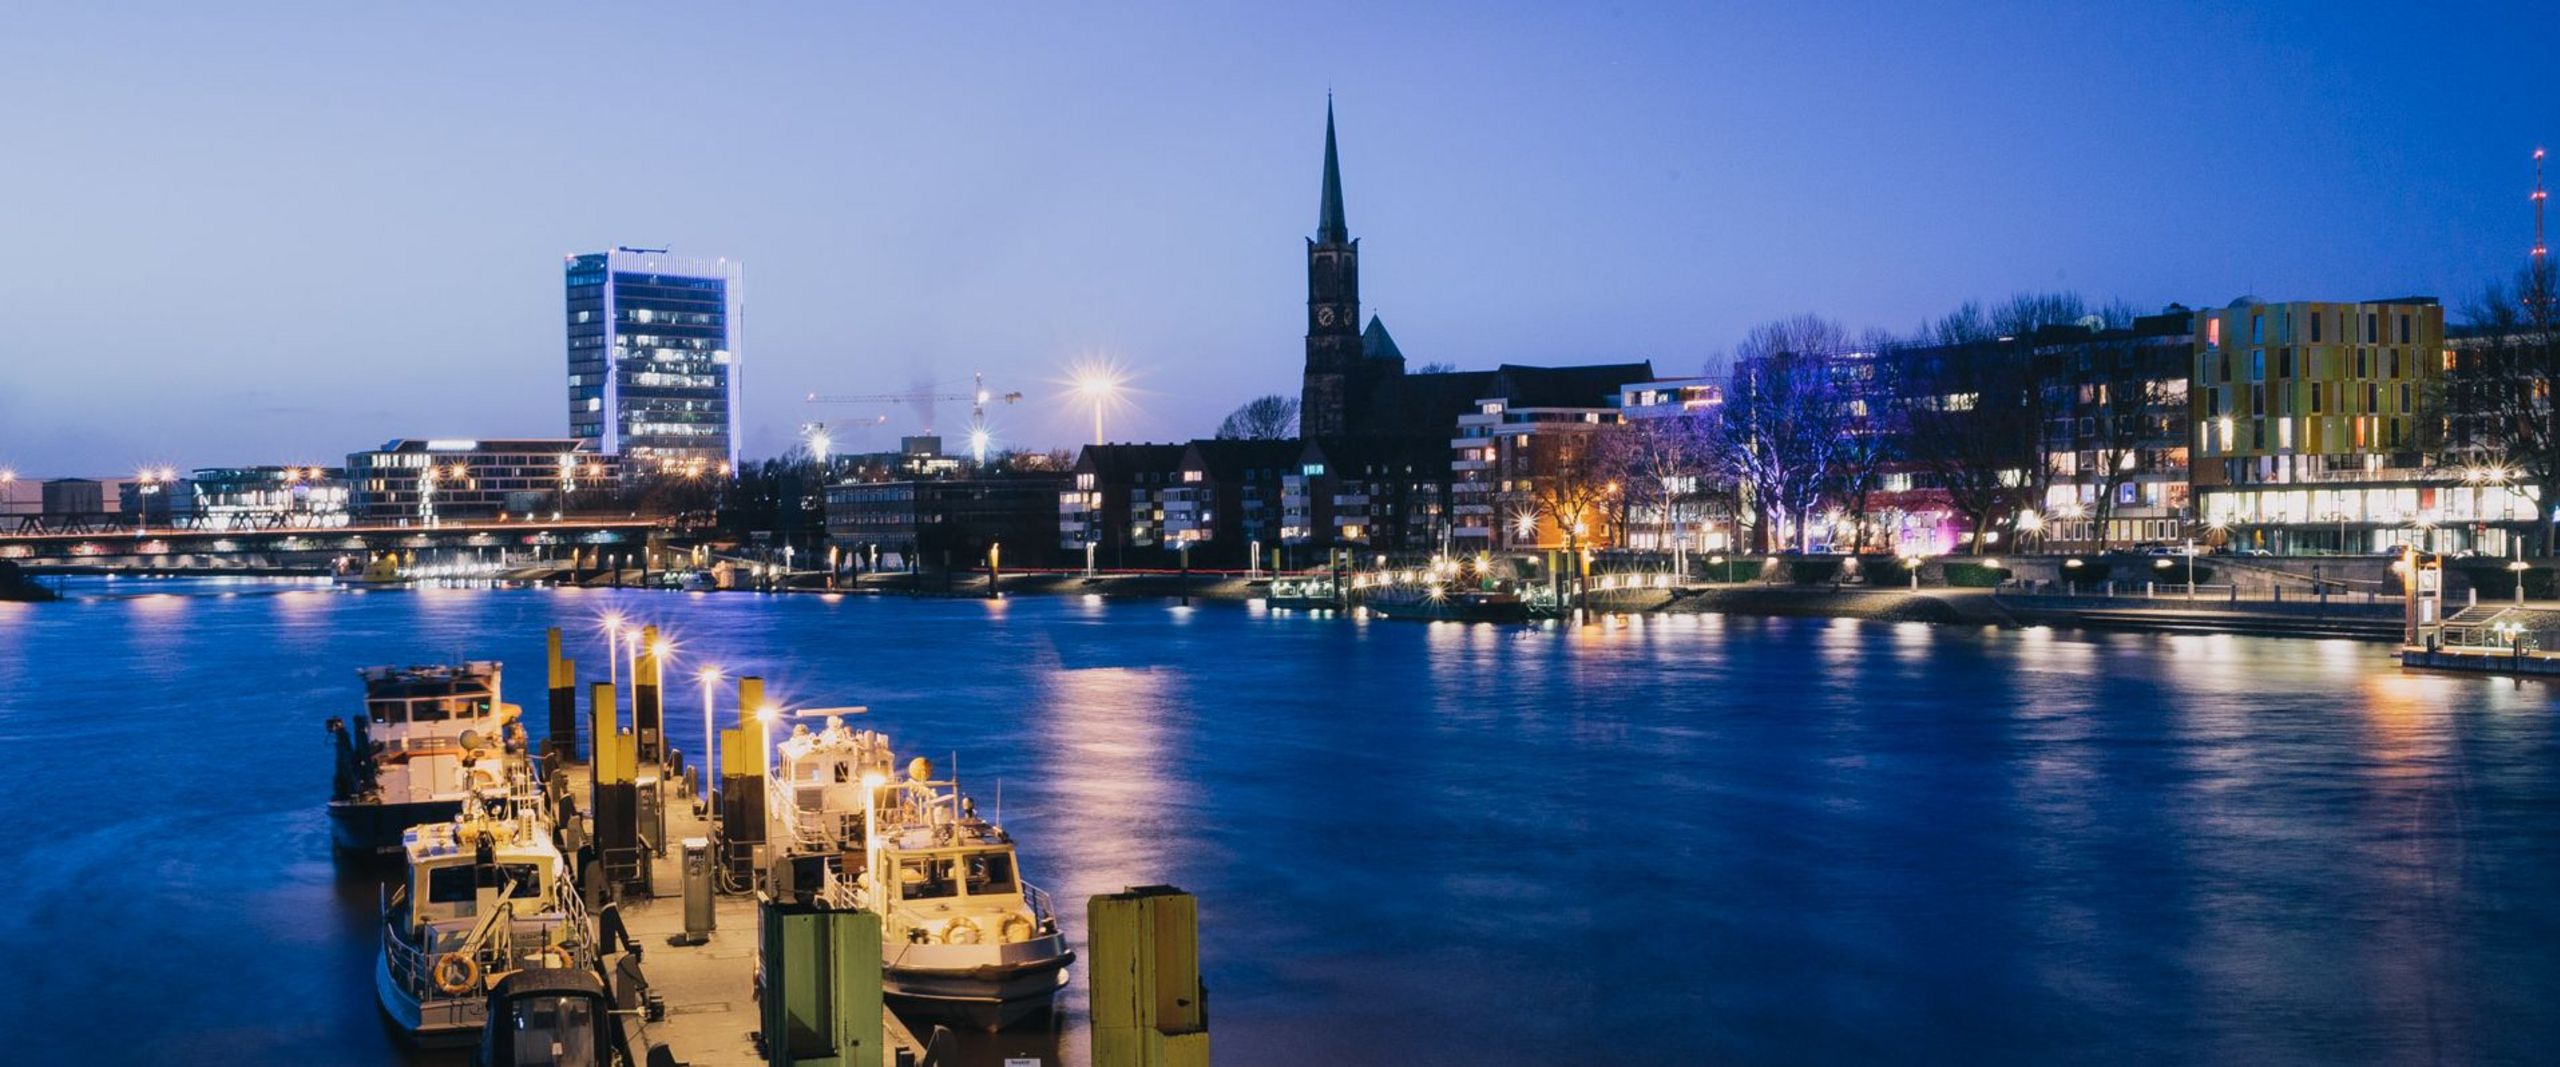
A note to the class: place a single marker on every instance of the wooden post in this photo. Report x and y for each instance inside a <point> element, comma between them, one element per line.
<point>563,739</point>
<point>1149,1009</point>
<point>647,713</point>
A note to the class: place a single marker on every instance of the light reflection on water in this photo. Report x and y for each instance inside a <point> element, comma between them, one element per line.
<point>1664,840</point>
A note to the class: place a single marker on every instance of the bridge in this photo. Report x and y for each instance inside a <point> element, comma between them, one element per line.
<point>82,543</point>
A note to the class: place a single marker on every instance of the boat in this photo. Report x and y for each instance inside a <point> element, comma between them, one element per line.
<point>964,938</point>
<point>1465,605</point>
<point>485,896</point>
<point>428,735</point>
<point>381,570</point>
<point>553,1017</point>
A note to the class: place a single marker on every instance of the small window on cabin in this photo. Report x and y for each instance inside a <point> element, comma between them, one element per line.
<point>388,711</point>
<point>925,879</point>
<point>991,873</point>
<point>427,711</point>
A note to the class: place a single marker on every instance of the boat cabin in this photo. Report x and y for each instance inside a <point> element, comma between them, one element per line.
<point>460,871</point>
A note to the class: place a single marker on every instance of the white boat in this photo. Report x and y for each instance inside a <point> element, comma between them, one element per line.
<point>485,895</point>
<point>964,938</point>
<point>428,736</point>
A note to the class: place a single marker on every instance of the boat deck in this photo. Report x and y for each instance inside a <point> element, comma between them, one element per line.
<point>712,1015</point>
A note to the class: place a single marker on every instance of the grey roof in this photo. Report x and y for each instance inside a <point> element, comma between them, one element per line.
<point>1375,344</point>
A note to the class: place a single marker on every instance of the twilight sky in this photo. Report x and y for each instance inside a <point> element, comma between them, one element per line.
<point>282,233</point>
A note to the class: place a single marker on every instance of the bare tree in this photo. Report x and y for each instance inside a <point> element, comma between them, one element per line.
<point>2501,388</point>
<point>1871,431</point>
<point>1784,410</point>
<point>1263,418</point>
<point>1668,469</point>
<point>1436,367</point>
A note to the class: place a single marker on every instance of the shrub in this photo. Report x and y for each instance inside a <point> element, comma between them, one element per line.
<point>1888,570</point>
<point>1733,570</point>
<point>1812,571</point>
<point>1975,575</point>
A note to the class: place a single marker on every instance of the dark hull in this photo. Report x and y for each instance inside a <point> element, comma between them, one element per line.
<point>375,829</point>
<point>1453,610</point>
<point>985,999</point>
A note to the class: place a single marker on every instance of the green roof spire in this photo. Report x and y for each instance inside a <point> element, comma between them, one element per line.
<point>1330,229</point>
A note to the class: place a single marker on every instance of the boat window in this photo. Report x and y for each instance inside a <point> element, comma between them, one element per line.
<point>459,884</point>
<point>387,711</point>
<point>555,1032</point>
<point>925,879</point>
<point>426,711</point>
<point>991,872</point>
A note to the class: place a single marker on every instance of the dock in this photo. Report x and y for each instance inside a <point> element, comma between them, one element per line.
<point>709,993</point>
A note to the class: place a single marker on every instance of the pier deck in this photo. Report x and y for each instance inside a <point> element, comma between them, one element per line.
<point>712,1015</point>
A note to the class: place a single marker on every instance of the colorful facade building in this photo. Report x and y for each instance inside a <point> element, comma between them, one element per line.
<point>2320,427</point>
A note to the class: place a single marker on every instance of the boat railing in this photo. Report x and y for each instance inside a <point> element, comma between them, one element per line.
<point>492,941</point>
<point>1042,909</point>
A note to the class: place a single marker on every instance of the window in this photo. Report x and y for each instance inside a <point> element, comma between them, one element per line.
<point>2372,327</point>
<point>2284,361</point>
<point>2404,325</point>
<point>2257,329</point>
<point>990,873</point>
<point>2315,329</point>
<point>2213,330</point>
<point>2257,364</point>
<point>459,883</point>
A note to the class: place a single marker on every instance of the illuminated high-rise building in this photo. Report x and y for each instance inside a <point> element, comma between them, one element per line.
<point>654,351</point>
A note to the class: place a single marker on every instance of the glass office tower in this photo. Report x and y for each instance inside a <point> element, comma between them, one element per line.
<point>653,359</point>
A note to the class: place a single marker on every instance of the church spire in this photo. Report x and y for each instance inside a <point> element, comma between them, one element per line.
<point>1330,229</point>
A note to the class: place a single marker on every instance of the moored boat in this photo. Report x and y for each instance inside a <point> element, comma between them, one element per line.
<point>964,939</point>
<point>428,736</point>
<point>484,896</point>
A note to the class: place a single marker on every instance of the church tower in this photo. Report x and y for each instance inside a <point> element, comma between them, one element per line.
<point>1335,389</point>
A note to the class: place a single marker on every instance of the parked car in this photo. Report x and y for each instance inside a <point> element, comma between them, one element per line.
<point>2164,550</point>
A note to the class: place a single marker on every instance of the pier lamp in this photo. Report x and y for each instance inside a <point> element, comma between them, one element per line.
<point>766,716</point>
<point>2518,569</point>
<point>710,676</point>
<point>871,783</point>
<point>613,646</point>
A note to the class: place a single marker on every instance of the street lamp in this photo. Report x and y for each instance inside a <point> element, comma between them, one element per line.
<point>1099,385</point>
<point>710,738</point>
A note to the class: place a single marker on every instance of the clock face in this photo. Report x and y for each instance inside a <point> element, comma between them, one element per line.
<point>1324,316</point>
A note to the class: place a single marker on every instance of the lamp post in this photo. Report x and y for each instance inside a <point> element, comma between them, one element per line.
<point>613,648</point>
<point>710,738</point>
<point>2191,568</point>
<point>1097,385</point>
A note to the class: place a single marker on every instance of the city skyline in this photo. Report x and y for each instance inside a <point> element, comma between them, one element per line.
<point>1516,207</point>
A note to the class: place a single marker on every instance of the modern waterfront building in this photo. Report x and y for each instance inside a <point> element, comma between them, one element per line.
<point>2116,445</point>
<point>2319,427</point>
<point>417,481</point>
<point>654,352</point>
<point>268,498</point>
<point>947,522</point>
<point>1387,493</point>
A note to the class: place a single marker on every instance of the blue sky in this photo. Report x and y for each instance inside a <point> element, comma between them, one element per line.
<point>282,233</point>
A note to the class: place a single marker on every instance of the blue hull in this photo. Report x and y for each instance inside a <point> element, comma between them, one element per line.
<point>375,829</point>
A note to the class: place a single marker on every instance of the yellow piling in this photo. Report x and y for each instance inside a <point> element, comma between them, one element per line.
<point>617,756</point>
<point>1148,1006</point>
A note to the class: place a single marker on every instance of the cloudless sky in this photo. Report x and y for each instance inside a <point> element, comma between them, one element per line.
<point>252,233</point>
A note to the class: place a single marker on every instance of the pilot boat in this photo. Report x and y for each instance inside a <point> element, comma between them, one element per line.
<point>486,895</point>
<point>964,939</point>
<point>429,736</point>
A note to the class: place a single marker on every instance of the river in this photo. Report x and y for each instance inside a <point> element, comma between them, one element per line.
<point>1652,841</point>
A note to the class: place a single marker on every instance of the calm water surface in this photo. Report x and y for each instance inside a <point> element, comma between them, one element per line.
<point>1691,840</point>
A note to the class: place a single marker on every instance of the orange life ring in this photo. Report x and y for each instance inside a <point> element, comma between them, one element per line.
<point>1015,928</point>
<point>456,972</point>
<point>961,931</point>
<point>554,957</point>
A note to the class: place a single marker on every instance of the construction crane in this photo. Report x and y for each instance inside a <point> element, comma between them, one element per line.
<point>977,396</point>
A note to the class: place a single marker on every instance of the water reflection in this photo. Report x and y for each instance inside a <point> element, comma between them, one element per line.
<point>1665,840</point>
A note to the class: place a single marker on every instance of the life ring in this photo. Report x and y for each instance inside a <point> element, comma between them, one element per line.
<point>961,931</point>
<point>1015,928</point>
<point>483,778</point>
<point>456,972</point>
<point>554,957</point>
